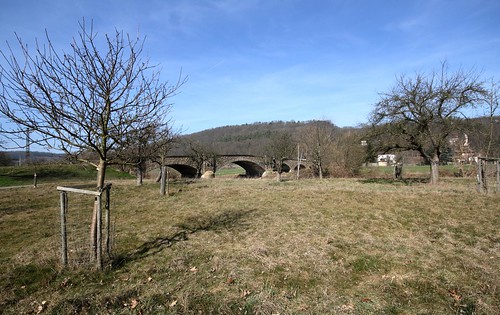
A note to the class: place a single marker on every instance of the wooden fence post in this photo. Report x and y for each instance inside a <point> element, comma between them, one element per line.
<point>480,175</point>
<point>64,240</point>
<point>108,223</point>
<point>96,239</point>
<point>99,234</point>
<point>93,232</point>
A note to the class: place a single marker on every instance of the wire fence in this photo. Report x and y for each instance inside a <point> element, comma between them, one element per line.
<point>488,175</point>
<point>86,240</point>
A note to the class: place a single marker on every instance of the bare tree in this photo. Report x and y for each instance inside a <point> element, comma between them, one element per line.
<point>317,138</point>
<point>203,155</point>
<point>137,149</point>
<point>281,148</point>
<point>164,140</point>
<point>420,113</point>
<point>347,155</point>
<point>493,105</point>
<point>86,99</point>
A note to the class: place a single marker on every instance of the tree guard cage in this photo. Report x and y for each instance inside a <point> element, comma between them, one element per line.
<point>76,221</point>
<point>488,174</point>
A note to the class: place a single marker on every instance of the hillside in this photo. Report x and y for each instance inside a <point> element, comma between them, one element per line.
<point>248,138</point>
<point>252,138</point>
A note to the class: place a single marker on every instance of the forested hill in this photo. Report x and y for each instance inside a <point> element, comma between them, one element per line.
<point>248,138</point>
<point>253,138</point>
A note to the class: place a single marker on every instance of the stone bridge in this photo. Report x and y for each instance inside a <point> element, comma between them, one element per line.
<point>254,166</point>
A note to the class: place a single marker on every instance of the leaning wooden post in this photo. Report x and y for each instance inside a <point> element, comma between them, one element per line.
<point>64,239</point>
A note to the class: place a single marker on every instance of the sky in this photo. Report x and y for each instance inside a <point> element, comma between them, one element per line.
<point>266,60</point>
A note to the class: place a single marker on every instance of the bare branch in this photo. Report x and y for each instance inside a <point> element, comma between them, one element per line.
<point>85,100</point>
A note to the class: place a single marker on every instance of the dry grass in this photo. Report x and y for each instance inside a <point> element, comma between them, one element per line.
<point>340,246</point>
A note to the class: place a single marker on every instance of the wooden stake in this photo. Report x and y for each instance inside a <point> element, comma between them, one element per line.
<point>99,234</point>
<point>108,223</point>
<point>64,239</point>
<point>93,232</point>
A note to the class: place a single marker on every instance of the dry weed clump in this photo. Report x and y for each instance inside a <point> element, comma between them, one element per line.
<point>241,246</point>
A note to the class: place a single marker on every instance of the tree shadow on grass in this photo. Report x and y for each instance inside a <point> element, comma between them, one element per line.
<point>391,181</point>
<point>222,221</point>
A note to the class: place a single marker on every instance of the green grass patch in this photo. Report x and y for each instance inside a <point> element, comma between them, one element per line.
<point>232,171</point>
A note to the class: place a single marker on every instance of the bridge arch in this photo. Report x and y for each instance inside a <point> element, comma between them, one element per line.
<point>185,170</point>
<point>302,167</point>
<point>252,169</point>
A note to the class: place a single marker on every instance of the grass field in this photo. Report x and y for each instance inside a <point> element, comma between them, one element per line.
<point>240,246</point>
<point>24,175</point>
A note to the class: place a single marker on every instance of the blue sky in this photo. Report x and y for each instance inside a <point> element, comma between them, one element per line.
<point>265,60</point>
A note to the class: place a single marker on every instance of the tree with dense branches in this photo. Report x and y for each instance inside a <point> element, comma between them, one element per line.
<point>420,113</point>
<point>85,100</point>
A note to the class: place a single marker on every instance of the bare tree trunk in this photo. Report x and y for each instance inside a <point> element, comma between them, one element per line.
<point>320,166</point>
<point>101,173</point>
<point>139,175</point>
<point>163,174</point>
<point>434,170</point>
<point>279,169</point>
